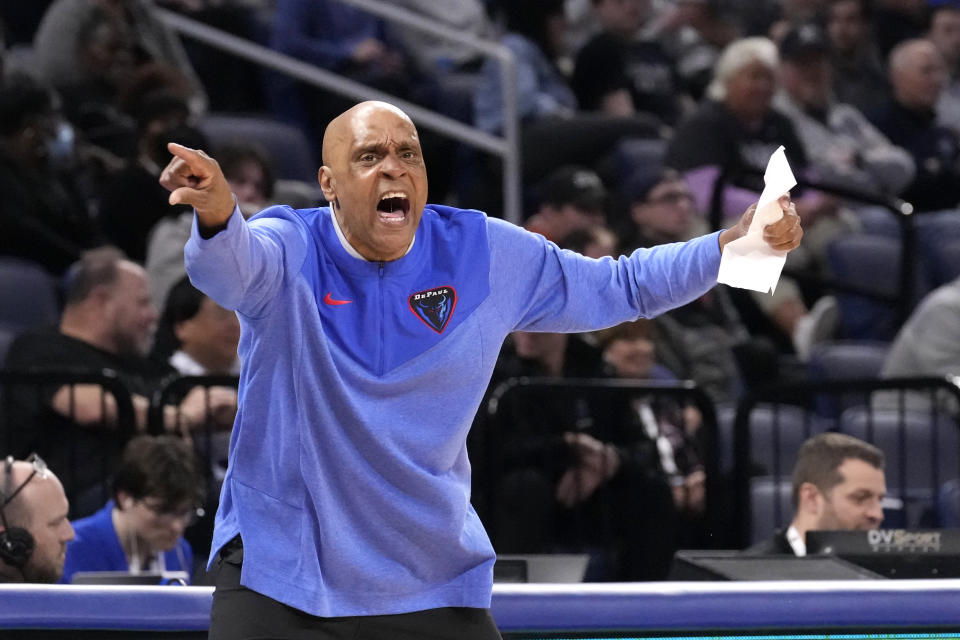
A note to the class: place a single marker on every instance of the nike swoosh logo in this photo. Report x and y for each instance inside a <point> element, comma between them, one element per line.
<point>328,300</point>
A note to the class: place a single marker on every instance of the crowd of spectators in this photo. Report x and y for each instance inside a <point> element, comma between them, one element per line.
<point>642,122</point>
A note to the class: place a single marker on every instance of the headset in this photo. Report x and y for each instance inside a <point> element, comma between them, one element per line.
<point>16,543</point>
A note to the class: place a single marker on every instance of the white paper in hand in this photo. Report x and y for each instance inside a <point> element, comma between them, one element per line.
<point>749,262</point>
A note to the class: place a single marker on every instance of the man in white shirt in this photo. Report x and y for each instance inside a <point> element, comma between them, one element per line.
<point>838,484</point>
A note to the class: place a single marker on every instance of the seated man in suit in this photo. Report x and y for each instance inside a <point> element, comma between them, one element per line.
<point>838,484</point>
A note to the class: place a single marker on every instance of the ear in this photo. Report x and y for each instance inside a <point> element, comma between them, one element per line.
<point>809,499</point>
<point>637,211</point>
<point>327,186</point>
<point>181,328</point>
<point>124,500</point>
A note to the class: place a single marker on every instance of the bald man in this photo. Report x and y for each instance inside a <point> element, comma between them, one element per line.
<point>34,530</point>
<point>370,329</point>
<point>917,77</point>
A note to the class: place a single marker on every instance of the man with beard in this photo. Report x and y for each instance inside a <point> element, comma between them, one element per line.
<point>34,530</point>
<point>838,484</point>
<point>107,324</point>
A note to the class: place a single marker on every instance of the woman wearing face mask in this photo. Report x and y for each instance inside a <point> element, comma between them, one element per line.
<point>42,211</point>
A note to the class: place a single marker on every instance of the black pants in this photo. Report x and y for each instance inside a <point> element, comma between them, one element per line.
<point>241,614</point>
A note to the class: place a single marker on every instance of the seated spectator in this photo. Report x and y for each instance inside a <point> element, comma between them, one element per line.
<point>629,352</point>
<point>895,21</point>
<point>534,33</point>
<point>250,173</point>
<point>595,241</point>
<point>43,212</point>
<point>34,530</point>
<point>733,133</point>
<point>554,130</point>
<point>918,75</point>
<point>928,344</point>
<point>660,209</point>
<point>842,146</point>
<point>57,40</point>
<point>437,55</point>
<point>574,477</point>
<point>198,337</point>
<point>838,485</point>
<point>859,78</point>
<point>623,68</point>
<point>571,198</point>
<point>727,339</point>
<point>231,82</point>
<point>944,33</point>
<point>157,494</point>
<point>107,323</point>
<point>105,66</point>
<point>695,33</point>
<point>202,335</point>
<point>339,38</point>
<point>133,201</point>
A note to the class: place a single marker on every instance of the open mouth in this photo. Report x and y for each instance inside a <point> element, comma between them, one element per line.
<point>393,207</point>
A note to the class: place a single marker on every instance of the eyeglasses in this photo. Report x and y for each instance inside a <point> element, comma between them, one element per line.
<point>39,468</point>
<point>189,515</point>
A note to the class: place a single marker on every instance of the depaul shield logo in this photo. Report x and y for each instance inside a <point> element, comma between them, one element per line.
<point>434,306</point>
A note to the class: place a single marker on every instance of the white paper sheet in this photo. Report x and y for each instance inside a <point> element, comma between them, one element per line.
<point>749,262</point>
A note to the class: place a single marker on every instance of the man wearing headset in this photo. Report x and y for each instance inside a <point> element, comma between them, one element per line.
<point>34,530</point>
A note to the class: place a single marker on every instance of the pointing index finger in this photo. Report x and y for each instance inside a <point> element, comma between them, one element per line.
<point>193,157</point>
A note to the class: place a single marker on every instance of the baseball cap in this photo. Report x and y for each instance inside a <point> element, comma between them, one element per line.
<point>573,184</point>
<point>804,39</point>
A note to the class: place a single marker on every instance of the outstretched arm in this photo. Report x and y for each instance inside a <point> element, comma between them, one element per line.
<point>194,178</point>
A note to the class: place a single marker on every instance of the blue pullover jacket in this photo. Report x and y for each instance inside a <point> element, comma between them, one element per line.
<point>348,474</point>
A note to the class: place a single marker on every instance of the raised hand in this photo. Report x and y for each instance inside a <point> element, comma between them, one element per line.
<point>194,178</point>
<point>783,235</point>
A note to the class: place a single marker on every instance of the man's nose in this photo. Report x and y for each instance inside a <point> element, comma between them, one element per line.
<point>875,512</point>
<point>392,166</point>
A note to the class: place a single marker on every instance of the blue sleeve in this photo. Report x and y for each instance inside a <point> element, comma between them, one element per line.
<point>544,288</point>
<point>243,266</point>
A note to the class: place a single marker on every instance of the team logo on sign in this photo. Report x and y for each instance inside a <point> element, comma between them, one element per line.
<point>434,306</point>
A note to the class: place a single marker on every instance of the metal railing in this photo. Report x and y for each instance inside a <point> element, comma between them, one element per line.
<point>506,147</point>
<point>904,298</point>
<point>496,443</point>
<point>82,456</point>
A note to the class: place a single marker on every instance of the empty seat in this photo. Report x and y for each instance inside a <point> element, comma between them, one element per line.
<point>922,450</point>
<point>771,507</point>
<point>775,434</point>
<point>28,295</point>
<point>872,263</point>
<point>287,146</point>
<point>845,360</point>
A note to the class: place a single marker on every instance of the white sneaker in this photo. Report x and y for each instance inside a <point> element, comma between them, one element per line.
<point>818,325</point>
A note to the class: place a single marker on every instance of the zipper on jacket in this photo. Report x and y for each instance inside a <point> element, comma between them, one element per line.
<point>383,322</point>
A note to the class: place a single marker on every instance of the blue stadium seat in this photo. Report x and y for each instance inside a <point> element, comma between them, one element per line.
<point>286,145</point>
<point>871,262</point>
<point>845,360</point>
<point>28,295</point>
<point>922,450</point>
